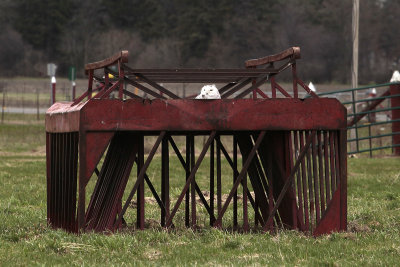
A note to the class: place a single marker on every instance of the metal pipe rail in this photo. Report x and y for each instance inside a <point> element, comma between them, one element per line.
<point>391,96</point>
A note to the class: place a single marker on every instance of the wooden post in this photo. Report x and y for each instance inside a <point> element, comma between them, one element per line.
<point>354,63</point>
<point>3,106</point>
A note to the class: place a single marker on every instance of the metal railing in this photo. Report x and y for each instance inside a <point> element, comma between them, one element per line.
<point>370,113</point>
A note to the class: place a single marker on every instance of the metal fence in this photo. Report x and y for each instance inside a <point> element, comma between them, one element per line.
<point>373,118</point>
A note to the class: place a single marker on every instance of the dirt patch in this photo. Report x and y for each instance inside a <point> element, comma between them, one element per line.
<point>354,227</point>
<point>37,152</point>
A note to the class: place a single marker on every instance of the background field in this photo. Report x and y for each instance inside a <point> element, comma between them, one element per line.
<point>373,237</point>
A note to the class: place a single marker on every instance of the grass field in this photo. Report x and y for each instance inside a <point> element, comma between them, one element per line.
<point>373,237</point>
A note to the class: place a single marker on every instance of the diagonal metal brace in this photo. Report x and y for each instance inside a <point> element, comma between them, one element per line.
<point>202,198</point>
<point>243,172</point>
<point>289,180</point>
<point>191,176</point>
<point>140,177</point>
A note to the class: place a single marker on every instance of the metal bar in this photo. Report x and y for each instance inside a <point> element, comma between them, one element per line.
<point>371,111</point>
<point>143,88</point>
<point>235,174</point>
<point>299,183</point>
<point>261,80</point>
<point>187,195</point>
<point>132,95</point>
<point>332,161</point>
<point>204,201</point>
<point>306,88</point>
<point>212,186</point>
<point>373,136</point>
<point>270,178</point>
<point>49,176</point>
<point>240,85</point>
<point>245,211</point>
<point>370,141</point>
<point>283,91</point>
<point>177,152</point>
<point>304,184</point>
<point>294,78</point>
<point>273,88</point>
<point>189,180</point>
<point>316,180</point>
<point>289,180</point>
<point>261,93</point>
<point>140,188</point>
<point>255,171</point>
<point>240,177</point>
<point>356,89</point>
<point>104,93</point>
<point>337,167</point>
<point>255,90</point>
<point>373,149</point>
<point>202,72</point>
<point>326,165</point>
<point>374,123</point>
<point>119,180</point>
<point>154,193</point>
<point>165,179</point>
<point>82,179</point>
<point>321,171</point>
<point>141,176</point>
<point>90,79</point>
<point>99,192</point>
<point>219,185</point>
<point>106,79</point>
<point>193,186</point>
<point>157,86</point>
<point>310,186</point>
<point>202,198</point>
<point>371,99</point>
<point>289,166</point>
<point>227,87</point>
<point>395,104</point>
<point>74,183</point>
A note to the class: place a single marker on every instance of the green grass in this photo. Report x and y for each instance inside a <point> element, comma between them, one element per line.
<point>373,238</point>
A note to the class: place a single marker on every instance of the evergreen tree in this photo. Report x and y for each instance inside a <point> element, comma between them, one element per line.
<point>41,23</point>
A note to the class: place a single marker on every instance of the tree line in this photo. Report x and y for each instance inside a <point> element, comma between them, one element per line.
<point>208,33</point>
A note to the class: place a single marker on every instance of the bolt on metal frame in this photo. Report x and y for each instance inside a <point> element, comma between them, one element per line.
<point>293,150</point>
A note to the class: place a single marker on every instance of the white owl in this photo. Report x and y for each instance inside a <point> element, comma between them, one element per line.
<point>209,92</point>
<point>395,77</point>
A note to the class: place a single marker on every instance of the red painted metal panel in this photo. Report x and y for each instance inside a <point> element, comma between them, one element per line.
<point>330,221</point>
<point>395,102</point>
<point>62,117</point>
<point>195,115</point>
<point>96,144</point>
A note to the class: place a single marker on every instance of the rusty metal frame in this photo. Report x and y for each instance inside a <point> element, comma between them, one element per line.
<point>293,150</point>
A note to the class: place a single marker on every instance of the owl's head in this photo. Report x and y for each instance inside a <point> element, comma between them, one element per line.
<point>209,92</point>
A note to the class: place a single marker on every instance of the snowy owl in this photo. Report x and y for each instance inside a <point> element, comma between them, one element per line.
<point>209,92</point>
<point>395,77</point>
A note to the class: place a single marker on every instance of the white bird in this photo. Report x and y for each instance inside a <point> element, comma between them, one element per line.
<point>395,77</point>
<point>209,92</point>
<point>312,87</point>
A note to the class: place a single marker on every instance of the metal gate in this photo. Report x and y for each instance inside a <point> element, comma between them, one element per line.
<point>373,118</point>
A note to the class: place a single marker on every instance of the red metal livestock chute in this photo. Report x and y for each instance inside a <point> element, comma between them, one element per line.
<point>293,151</point>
